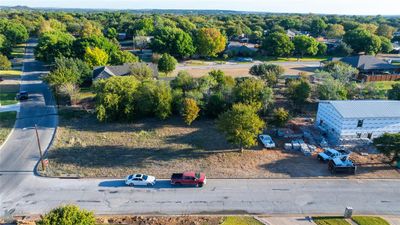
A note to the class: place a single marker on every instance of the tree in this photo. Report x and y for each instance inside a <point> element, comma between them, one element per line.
<point>281,116</point>
<point>115,98</point>
<point>253,92</point>
<point>386,31</point>
<point>183,81</point>
<point>122,57</point>
<point>394,93</point>
<point>111,33</point>
<point>223,83</point>
<point>163,101</point>
<point>335,31</point>
<point>269,72</point>
<point>78,68</point>
<point>386,45</point>
<point>52,45</point>
<point>305,45</point>
<point>241,125</point>
<point>5,64</point>
<point>278,44</point>
<point>318,27</point>
<point>389,145</point>
<point>167,63</point>
<point>342,49</point>
<point>210,42</point>
<point>331,89</point>
<point>173,41</point>
<point>16,33</point>
<point>71,91</point>
<point>341,71</point>
<point>141,71</point>
<point>61,76</point>
<point>216,104</point>
<point>89,29</point>
<point>96,57</point>
<point>81,44</point>
<point>190,110</point>
<point>299,91</point>
<point>322,48</point>
<point>68,215</point>
<point>363,41</point>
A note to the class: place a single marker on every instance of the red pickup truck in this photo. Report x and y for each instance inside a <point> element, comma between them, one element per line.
<point>188,178</point>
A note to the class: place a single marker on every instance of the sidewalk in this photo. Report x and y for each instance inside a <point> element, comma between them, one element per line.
<point>9,108</point>
<point>393,220</point>
<point>286,220</point>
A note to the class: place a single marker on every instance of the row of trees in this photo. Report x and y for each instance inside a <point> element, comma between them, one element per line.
<point>214,95</point>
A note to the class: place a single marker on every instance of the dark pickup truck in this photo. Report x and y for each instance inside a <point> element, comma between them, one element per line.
<point>188,178</point>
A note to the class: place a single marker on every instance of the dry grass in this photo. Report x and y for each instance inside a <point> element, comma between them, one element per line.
<point>87,148</point>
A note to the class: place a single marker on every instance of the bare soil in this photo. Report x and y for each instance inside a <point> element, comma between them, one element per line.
<point>87,148</point>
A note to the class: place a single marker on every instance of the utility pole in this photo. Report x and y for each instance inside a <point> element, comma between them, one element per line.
<point>40,148</point>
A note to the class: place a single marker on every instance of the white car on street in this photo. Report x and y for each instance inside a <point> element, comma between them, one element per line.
<point>140,180</point>
<point>267,141</point>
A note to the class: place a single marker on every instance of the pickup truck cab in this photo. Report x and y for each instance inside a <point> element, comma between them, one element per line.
<point>267,141</point>
<point>189,178</point>
<point>331,153</point>
<point>342,164</point>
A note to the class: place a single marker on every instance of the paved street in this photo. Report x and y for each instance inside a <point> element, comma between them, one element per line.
<point>29,194</point>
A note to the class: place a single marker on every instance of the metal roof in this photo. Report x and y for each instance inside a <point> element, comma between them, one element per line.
<point>367,108</point>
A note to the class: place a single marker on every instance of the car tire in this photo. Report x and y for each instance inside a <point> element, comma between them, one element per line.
<point>200,185</point>
<point>131,184</point>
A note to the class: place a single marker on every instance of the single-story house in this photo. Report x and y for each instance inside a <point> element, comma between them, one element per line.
<point>357,119</point>
<point>104,72</point>
<point>371,68</point>
<point>236,48</point>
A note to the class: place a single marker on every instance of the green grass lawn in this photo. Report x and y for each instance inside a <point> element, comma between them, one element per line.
<point>7,120</point>
<point>291,59</point>
<point>7,98</point>
<point>369,220</point>
<point>385,85</point>
<point>240,220</point>
<point>330,221</point>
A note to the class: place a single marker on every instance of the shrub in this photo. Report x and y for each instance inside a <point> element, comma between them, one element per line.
<point>68,215</point>
<point>5,64</point>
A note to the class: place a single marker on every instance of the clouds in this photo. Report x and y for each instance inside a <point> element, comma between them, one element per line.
<point>359,7</point>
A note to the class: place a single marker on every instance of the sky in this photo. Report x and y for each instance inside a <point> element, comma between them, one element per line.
<point>349,7</point>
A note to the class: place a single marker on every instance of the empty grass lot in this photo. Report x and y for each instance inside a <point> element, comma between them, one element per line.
<point>240,220</point>
<point>9,86</point>
<point>330,221</point>
<point>386,85</point>
<point>369,220</point>
<point>7,120</point>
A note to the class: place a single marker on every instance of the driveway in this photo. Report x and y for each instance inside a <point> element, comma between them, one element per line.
<point>23,192</point>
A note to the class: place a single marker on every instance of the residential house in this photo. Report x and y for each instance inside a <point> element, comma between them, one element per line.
<point>235,48</point>
<point>357,119</point>
<point>371,68</point>
<point>105,72</point>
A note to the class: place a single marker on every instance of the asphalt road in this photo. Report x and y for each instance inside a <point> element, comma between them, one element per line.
<point>24,193</point>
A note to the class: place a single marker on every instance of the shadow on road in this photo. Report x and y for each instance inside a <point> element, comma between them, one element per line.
<point>159,184</point>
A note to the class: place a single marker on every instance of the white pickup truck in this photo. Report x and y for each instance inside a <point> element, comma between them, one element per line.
<point>267,141</point>
<point>331,153</point>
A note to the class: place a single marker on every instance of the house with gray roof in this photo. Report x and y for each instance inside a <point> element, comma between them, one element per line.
<point>105,72</point>
<point>357,119</point>
<point>371,68</point>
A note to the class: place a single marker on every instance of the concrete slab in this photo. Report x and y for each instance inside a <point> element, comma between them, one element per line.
<point>286,220</point>
<point>392,220</point>
<point>9,108</point>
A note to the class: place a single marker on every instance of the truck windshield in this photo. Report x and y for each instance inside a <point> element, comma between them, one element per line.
<point>144,177</point>
<point>328,153</point>
<point>197,175</point>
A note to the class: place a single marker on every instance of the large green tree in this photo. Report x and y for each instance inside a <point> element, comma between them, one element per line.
<point>362,40</point>
<point>241,125</point>
<point>253,92</point>
<point>394,92</point>
<point>68,215</point>
<point>54,44</point>
<point>96,57</point>
<point>173,41</point>
<point>299,91</point>
<point>269,72</point>
<point>331,89</point>
<point>167,63</point>
<point>335,31</point>
<point>305,45</point>
<point>210,42</point>
<point>278,44</point>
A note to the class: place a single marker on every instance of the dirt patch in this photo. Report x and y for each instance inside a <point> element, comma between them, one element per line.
<point>87,148</point>
<point>161,220</point>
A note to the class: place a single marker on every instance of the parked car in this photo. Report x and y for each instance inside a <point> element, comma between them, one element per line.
<point>244,59</point>
<point>189,178</point>
<point>331,153</point>
<point>140,180</point>
<point>22,95</point>
<point>267,141</point>
<point>342,164</point>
